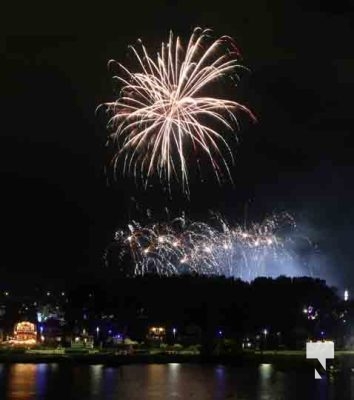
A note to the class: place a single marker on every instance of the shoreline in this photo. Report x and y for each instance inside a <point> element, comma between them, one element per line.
<point>278,359</point>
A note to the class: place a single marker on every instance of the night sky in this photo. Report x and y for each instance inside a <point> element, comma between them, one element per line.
<point>58,213</point>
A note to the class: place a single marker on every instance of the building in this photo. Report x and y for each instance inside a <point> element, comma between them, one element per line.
<point>25,333</point>
<point>156,334</point>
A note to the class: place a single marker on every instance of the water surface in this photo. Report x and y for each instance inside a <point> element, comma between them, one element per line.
<point>167,381</point>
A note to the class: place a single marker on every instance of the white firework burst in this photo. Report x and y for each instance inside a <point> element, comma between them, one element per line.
<point>164,119</point>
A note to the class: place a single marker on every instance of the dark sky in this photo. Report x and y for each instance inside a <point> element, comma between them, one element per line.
<point>57,211</point>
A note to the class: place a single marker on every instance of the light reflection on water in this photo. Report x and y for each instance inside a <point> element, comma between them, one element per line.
<point>27,381</point>
<point>96,379</point>
<point>167,382</point>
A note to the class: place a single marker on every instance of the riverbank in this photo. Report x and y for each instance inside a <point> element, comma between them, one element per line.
<point>282,359</point>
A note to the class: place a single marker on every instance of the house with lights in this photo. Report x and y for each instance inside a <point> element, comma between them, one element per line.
<point>156,334</point>
<point>25,333</point>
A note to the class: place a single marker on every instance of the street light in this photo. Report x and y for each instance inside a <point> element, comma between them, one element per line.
<point>174,331</point>
<point>346,295</point>
<point>265,333</point>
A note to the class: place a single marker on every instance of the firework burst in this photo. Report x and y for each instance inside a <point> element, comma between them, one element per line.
<point>164,119</point>
<point>215,248</point>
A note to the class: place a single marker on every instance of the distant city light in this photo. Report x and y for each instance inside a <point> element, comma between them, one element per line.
<point>265,332</point>
<point>346,295</point>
